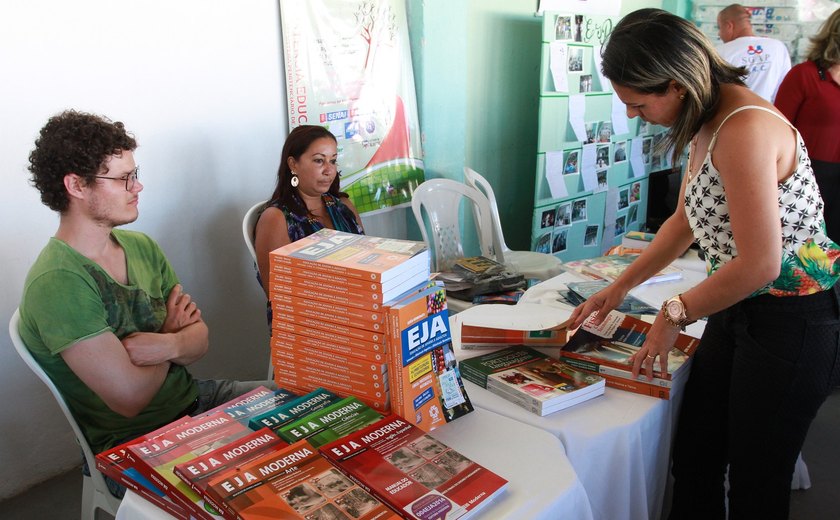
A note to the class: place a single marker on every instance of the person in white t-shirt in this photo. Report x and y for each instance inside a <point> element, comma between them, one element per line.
<point>766,59</point>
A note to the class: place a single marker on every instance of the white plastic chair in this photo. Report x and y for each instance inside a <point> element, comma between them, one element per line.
<point>249,227</point>
<point>441,199</point>
<point>95,494</point>
<point>249,232</point>
<point>541,266</point>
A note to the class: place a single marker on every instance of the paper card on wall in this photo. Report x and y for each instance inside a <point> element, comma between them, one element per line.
<point>610,211</point>
<point>619,116</point>
<point>606,86</point>
<point>577,107</point>
<point>554,174</point>
<point>558,53</point>
<point>637,159</point>
<point>587,167</point>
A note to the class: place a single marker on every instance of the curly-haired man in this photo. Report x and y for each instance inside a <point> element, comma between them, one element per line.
<point>102,310</point>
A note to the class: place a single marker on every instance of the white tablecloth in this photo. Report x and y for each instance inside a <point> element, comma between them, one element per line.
<point>542,483</point>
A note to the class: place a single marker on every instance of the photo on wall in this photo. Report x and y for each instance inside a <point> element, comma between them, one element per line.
<point>635,192</point>
<point>632,214</point>
<point>602,156</point>
<point>647,149</point>
<point>601,175</point>
<point>586,83</point>
<point>572,162</point>
<point>575,59</point>
<point>544,243</point>
<point>579,210</point>
<point>590,237</point>
<point>620,152</point>
<point>563,28</point>
<point>559,242</point>
<point>623,199</point>
<point>591,130</point>
<point>620,225</point>
<point>605,131</point>
<point>564,215</point>
<point>578,29</point>
<point>547,219</point>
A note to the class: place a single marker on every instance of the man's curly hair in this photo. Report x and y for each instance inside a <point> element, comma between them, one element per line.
<point>74,142</point>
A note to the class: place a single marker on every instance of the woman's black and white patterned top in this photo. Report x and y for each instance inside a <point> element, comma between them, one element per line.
<point>808,255</point>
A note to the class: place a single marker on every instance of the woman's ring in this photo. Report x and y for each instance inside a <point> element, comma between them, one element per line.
<point>651,357</point>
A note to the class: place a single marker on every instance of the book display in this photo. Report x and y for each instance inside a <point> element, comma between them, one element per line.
<point>213,466</point>
<point>606,349</point>
<point>415,474</point>
<point>426,387</point>
<point>532,380</point>
<point>327,294</point>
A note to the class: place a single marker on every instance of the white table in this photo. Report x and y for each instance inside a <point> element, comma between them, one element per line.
<point>542,483</point>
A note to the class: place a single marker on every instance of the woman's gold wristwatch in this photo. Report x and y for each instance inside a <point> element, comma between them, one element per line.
<point>673,310</point>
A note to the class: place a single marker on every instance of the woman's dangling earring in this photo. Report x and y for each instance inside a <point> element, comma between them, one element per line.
<point>295,181</point>
<point>682,96</point>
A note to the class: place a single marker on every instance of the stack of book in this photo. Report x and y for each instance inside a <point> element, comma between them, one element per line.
<point>605,350</point>
<point>531,379</point>
<point>328,293</point>
<point>425,384</point>
<point>214,467</point>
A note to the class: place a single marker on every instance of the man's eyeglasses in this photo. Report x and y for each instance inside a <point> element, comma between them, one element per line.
<point>129,179</point>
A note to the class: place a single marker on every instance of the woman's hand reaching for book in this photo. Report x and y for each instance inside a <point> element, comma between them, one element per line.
<point>602,302</point>
<point>659,342</point>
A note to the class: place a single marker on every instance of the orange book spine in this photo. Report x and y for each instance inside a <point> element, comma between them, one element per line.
<point>359,301</point>
<point>609,363</point>
<point>327,331</point>
<point>310,382</point>
<point>368,382</point>
<point>320,280</point>
<point>637,387</point>
<point>471,334</point>
<point>292,346</point>
<point>368,320</point>
<point>349,366</point>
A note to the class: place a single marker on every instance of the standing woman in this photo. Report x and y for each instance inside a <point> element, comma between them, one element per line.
<point>307,196</point>
<point>809,97</point>
<point>769,355</point>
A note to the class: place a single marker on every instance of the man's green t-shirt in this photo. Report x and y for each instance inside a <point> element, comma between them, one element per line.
<point>68,298</point>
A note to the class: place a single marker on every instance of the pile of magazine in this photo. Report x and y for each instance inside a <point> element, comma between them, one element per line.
<point>477,275</point>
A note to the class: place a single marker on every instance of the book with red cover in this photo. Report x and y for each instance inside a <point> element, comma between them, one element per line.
<point>412,472</point>
<point>354,256</point>
<point>198,472</point>
<point>157,457</point>
<point>114,464</point>
<point>424,383</point>
<point>619,337</point>
<point>295,482</point>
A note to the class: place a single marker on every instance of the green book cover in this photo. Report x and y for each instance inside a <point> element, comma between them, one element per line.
<point>331,423</point>
<point>477,369</point>
<point>287,412</point>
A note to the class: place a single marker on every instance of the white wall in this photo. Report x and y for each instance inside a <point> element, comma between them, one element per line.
<point>198,82</point>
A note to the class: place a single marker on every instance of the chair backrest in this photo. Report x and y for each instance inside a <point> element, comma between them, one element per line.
<point>105,500</point>
<point>441,199</point>
<point>474,179</point>
<point>249,227</point>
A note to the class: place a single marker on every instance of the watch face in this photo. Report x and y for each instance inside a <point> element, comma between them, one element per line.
<point>675,309</point>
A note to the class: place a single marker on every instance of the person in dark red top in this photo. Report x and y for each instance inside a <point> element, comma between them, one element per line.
<point>809,97</point>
